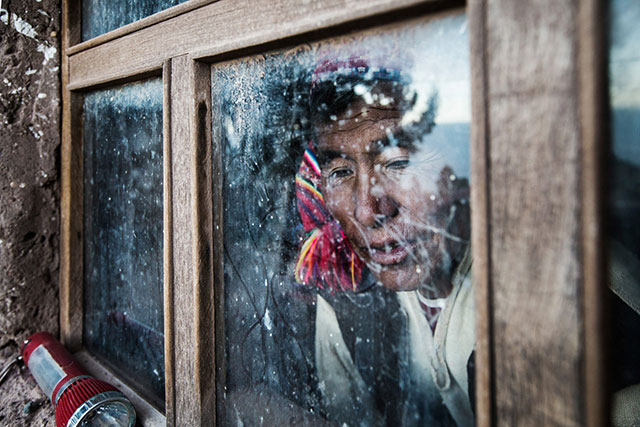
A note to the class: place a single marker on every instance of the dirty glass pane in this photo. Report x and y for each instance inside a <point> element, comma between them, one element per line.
<point>624,198</point>
<point>123,306</point>
<point>102,16</point>
<point>345,191</point>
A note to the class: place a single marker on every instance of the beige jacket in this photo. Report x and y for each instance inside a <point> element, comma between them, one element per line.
<point>438,359</point>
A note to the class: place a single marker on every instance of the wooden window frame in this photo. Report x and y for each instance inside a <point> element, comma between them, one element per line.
<point>180,43</point>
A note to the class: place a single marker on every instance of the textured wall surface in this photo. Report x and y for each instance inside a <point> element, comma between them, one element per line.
<point>29,194</point>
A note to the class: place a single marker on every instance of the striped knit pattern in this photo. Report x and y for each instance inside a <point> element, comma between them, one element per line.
<point>326,258</point>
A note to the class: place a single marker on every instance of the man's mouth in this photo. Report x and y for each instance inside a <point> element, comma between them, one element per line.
<point>389,253</point>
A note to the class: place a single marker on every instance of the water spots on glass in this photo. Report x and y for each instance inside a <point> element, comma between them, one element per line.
<point>99,16</point>
<point>345,180</point>
<point>123,281</point>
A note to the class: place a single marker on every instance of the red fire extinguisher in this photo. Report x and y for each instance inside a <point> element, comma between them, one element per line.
<point>79,398</point>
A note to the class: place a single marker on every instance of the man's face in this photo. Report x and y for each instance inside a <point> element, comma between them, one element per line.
<point>381,186</point>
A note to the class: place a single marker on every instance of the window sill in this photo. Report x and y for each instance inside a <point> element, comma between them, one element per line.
<point>146,414</point>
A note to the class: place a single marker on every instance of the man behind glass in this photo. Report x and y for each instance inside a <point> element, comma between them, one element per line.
<point>388,224</point>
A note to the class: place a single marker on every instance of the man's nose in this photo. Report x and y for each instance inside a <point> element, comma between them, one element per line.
<point>373,205</point>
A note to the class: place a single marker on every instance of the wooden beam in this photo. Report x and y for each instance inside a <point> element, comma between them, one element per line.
<point>78,46</point>
<point>192,244</point>
<point>202,187</point>
<point>70,197</point>
<point>186,404</point>
<point>216,28</point>
<point>481,220</point>
<point>593,105</point>
<point>536,245</point>
<point>169,318</point>
<point>218,246</point>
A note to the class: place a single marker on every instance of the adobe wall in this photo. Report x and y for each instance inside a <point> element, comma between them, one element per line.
<point>29,194</point>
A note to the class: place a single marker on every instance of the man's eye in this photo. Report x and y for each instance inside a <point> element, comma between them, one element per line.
<point>397,165</point>
<point>339,173</point>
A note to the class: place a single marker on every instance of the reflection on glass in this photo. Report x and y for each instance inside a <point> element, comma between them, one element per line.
<point>347,292</point>
<point>624,86</point>
<point>123,316</point>
<point>100,16</point>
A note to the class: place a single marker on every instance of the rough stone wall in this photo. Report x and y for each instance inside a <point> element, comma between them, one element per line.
<point>29,194</point>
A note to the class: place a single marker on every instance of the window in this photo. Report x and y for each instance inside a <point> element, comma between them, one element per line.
<point>123,298</point>
<point>533,172</point>
<point>314,293</point>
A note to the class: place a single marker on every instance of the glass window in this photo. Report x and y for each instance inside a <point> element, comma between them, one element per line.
<point>123,280</point>
<point>347,291</point>
<point>624,197</point>
<point>100,16</point>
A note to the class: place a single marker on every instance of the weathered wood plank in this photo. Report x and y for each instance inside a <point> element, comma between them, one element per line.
<point>186,405</point>
<point>535,212</point>
<point>218,249</point>
<point>70,202</point>
<point>78,46</point>
<point>216,28</point>
<point>480,199</point>
<point>169,341</point>
<point>535,265</point>
<point>203,246</point>
<point>192,222</point>
<point>593,99</point>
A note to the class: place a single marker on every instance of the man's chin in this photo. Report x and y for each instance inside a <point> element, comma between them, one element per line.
<point>410,277</point>
<point>399,279</point>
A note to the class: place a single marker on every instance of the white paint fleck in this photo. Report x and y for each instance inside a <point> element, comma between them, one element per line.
<point>463,27</point>
<point>30,72</point>
<point>7,82</point>
<point>23,27</point>
<point>54,69</point>
<point>22,185</point>
<point>42,95</point>
<point>4,16</point>
<point>231,132</point>
<point>267,320</point>
<point>36,134</point>
<point>48,51</point>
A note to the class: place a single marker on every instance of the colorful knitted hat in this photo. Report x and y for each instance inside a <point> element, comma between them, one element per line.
<point>335,84</point>
<point>330,70</point>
